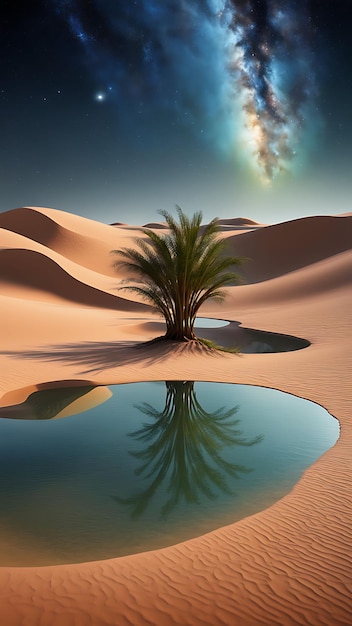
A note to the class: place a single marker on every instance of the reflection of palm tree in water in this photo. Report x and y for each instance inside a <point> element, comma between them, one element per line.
<point>185,443</point>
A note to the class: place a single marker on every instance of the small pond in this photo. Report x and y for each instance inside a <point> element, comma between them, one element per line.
<point>154,464</point>
<point>248,340</point>
<point>209,322</point>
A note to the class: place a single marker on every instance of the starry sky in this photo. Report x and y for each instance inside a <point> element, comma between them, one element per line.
<point>116,109</point>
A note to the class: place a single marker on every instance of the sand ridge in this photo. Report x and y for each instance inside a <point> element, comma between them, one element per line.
<point>287,565</point>
<point>279,249</point>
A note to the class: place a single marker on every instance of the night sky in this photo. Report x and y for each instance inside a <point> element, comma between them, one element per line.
<point>116,109</point>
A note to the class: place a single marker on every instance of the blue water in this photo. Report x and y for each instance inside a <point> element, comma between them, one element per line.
<point>155,464</point>
<point>208,322</point>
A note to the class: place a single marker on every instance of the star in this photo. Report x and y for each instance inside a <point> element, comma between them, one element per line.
<point>100,96</point>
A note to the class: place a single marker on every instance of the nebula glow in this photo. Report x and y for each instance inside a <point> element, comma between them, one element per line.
<point>238,71</point>
<point>272,67</point>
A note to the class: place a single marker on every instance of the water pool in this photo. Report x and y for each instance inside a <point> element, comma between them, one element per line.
<point>209,322</point>
<point>154,464</point>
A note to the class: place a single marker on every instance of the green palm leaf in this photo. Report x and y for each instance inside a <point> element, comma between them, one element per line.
<point>178,271</point>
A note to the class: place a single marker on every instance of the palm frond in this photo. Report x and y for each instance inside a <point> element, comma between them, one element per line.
<point>178,271</point>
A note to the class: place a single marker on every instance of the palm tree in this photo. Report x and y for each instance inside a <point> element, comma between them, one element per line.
<point>177,272</point>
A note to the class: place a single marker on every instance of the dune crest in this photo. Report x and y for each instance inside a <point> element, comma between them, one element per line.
<point>38,274</point>
<point>86,250</point>
<point>282,248</point>
<point>322,277</point>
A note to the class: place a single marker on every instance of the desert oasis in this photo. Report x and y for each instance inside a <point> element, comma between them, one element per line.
<point>175,482</point>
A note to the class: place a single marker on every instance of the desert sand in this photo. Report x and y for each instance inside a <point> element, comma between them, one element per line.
<point>64,319</point>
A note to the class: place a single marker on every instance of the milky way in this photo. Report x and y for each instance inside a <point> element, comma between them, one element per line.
<point>240,71</point>
<point>272,67</point>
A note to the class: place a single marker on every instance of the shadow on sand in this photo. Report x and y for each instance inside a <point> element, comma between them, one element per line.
<point>95,356</point>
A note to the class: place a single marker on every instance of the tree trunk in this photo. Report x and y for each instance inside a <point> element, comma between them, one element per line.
<point>180,334</point>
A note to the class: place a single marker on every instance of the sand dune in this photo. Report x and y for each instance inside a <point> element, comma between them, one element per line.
<point>33,271</point>
<point>101,275</point>
<point>238,221</point>
<point>272,250</point>
<point>289,565</point>
<point>92,252</point>
<point>323,276</point>
<point>156,225</point>
<point>281,248</point>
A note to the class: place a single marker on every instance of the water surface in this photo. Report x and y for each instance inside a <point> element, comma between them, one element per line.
<point>209,322</point>
<point>155,464</point>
